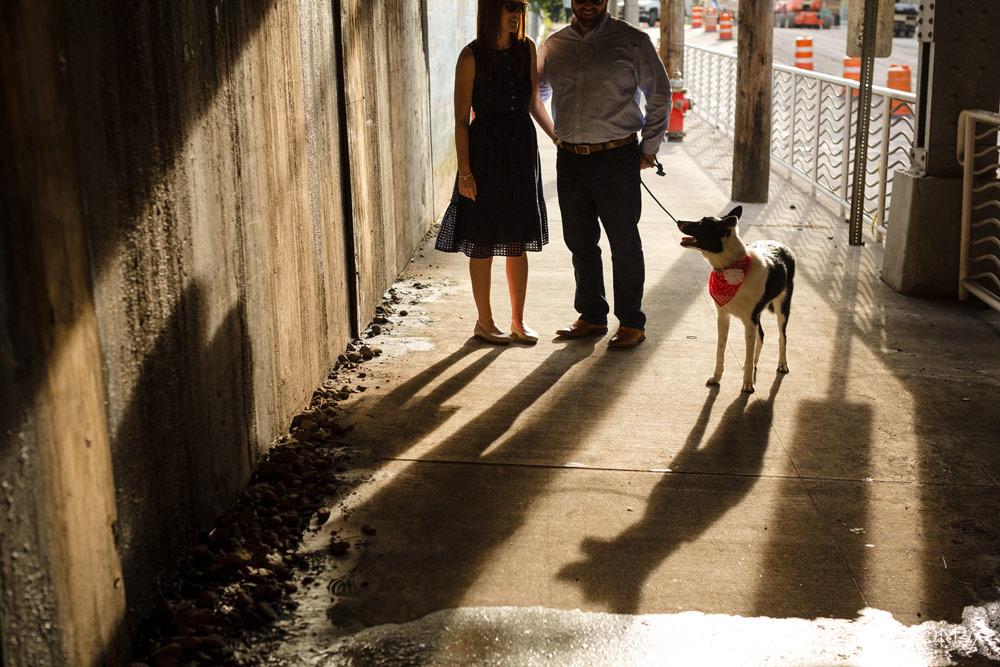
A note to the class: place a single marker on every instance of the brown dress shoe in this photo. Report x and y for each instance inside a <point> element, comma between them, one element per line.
<point>627,337</point>
<point>582,328</point>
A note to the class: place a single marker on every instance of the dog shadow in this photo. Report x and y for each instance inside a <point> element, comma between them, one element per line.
<point>614,572</point>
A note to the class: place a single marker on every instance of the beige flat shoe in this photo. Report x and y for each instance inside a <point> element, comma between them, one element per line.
<point>527,336</point>
<point>501,339</point>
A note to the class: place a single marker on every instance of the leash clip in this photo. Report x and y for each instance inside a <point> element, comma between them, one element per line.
<point>656,163</point>
<point>659,172</point>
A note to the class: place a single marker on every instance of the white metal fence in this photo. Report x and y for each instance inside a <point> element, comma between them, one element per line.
<point>814,126</point>
<point>979,154</point>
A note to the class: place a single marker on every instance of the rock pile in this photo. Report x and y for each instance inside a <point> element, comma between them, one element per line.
<point>236,580</point>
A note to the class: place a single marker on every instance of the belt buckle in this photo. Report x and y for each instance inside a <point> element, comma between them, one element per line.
<point>583,150</point>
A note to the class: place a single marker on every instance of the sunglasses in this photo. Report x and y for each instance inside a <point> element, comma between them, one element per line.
<point>593,2</point>
<point>515,7</point>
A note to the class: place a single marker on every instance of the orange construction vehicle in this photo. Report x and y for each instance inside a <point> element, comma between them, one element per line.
<point>802,14</point>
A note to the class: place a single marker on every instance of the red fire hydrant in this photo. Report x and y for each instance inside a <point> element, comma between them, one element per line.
<point>681,104</point>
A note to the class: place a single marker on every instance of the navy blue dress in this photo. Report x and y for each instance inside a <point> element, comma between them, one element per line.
<point>508,216</point>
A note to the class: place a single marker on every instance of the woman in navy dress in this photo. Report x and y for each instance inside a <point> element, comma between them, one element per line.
<point>497,207</point>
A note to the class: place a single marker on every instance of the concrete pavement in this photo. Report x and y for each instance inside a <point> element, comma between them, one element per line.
<point>512,485</point>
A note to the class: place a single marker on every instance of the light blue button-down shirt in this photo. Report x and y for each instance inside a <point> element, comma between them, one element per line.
<point>595,81</point>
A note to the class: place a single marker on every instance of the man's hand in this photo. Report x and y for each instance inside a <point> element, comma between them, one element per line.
<point>646,160</point>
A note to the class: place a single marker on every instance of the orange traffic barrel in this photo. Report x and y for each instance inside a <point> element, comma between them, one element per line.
<point>711,19</point>
<point>696,16</point>
<point>726,25</point>
<point>852,70</point>
<point>804,52</point>
<point>899,79</point>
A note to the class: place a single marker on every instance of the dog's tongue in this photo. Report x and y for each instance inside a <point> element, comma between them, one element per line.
<point>687,240</point>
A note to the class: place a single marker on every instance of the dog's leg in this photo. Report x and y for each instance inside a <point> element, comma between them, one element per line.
<point>720,350</point>
<point>759,344</point>
<point>782,313</point>
<point>750,335</point>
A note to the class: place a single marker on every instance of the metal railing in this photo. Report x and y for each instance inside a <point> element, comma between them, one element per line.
<point>814,127</point>
<point>979,256</point>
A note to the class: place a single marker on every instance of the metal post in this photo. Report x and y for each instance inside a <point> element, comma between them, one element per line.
<point>791,120</point>
<point>816,137</point>
<point>848,97</point>
<point>864,105</point>
<point>883,167</point>
<point>968,173</point>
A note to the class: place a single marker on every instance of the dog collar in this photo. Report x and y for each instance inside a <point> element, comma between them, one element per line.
<point>724,283</point>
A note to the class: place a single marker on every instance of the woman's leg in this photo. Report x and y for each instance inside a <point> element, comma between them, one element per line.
<point>517,283</point>
<point>480,270</point>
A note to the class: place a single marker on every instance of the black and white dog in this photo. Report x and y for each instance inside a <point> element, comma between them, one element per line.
<point>745,279</point>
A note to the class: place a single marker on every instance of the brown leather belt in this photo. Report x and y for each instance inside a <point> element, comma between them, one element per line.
<point>587,149</point>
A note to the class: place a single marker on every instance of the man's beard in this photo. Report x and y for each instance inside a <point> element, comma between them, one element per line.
<point>592,22</point>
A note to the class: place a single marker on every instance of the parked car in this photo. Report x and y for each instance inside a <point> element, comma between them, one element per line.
<point>649,10</point>
<point>904,22</point>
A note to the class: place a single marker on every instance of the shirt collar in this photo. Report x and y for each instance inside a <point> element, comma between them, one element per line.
<point>597,28</point>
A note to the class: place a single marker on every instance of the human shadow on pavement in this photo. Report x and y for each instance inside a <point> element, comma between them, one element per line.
<point>405,417</point>
<point>614,572</point>
<point>410,388</point>
<point>427,554</point>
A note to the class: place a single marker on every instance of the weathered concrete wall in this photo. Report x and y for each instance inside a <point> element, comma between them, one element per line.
<point>450,26</point>
<point>410,114</point>
<point>61,595</point>
<point>217,249</point>
<point>387,136</point>
<point>184,268</point>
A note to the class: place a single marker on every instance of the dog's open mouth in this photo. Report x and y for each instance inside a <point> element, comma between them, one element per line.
<point>688,241</point>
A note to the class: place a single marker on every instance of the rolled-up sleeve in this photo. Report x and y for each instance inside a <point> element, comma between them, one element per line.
<point>655,86</point>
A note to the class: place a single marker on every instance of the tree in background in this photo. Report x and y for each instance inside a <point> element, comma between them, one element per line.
<point>553,9</point>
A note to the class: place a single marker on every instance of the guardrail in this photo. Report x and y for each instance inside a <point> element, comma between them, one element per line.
<point>979,154</point>
<point>814,127</point>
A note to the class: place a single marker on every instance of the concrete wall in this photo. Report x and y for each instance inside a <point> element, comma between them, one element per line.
<point>450,26</point>
<point>61,595</point>
<point>197,213</point>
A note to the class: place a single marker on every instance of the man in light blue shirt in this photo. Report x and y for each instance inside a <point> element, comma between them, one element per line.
<point>595,70</point>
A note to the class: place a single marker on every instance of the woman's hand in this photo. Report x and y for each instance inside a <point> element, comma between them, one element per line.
<point>467,186</point>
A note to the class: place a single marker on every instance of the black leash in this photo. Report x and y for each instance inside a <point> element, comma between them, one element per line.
<point>659,172</point>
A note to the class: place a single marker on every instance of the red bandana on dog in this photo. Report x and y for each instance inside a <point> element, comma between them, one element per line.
<point>724,284</point>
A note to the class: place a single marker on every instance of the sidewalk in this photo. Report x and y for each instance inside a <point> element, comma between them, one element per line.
<point>505,487</point>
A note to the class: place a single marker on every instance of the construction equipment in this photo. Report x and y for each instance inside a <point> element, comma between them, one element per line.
<point>802,14</point>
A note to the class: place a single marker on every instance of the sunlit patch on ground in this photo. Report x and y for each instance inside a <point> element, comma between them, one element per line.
<point>536,636</point>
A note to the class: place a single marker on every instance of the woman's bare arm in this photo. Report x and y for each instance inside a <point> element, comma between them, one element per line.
<point>465,76</point>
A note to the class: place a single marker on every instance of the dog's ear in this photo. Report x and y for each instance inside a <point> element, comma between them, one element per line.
<point>736,212</point>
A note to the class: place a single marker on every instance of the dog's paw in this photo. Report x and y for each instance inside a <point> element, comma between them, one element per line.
<point>782,368</point>
<point>712,380</point>
<point>747,388</point>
